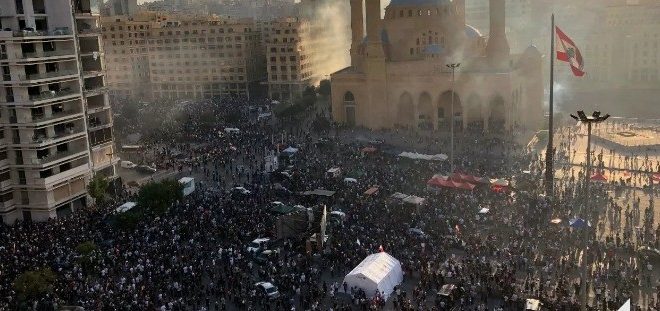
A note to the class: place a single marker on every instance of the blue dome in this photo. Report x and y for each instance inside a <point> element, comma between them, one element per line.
<point>384,37</point>
<point>419,2</point>
<point>472,32</point>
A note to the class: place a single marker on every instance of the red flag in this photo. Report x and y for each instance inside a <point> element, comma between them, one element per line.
<point>568,52</point>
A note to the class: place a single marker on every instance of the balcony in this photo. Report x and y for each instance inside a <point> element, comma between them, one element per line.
<point>40,118</point>
<point>93,31</point>
<point>53,95</point>
<point>57,137</point>
<point>95,90</point>
<point>49,75</point>
<point>47,54</point>
<point>58,156</point>
<point>30,33</point>
<point>73,172</point>
<point>97,123</point>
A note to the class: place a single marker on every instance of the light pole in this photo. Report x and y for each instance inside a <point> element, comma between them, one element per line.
<point>453,68</point>
<point>594,118</point>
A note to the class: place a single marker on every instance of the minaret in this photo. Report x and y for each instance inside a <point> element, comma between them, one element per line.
<point>357,30</point>
<point>374,45</point>
<point>497,49</point>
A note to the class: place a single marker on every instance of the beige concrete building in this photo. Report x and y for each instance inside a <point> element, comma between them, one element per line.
<point>56,123</point>
<point>303,50</point>
<point>398,75</point>
<point>182,56</point>
<point>288,58</point>
<point>625,50</point>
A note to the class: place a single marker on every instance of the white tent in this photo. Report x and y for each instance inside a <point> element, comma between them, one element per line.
<point>290,150</point>
<point>626,306</point>
<point>427,157</point>
<point>378,272</point>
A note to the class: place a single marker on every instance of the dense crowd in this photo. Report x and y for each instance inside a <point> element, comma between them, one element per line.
<point>195,258</point>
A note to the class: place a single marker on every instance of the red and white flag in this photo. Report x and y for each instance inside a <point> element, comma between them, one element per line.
<point>567,51</point>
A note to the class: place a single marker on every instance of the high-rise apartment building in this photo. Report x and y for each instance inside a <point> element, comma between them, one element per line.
<point>288,59</point>
<point>183,56</point>
<point>301,51</point>
<point>624,50</point>
<point>56,123</point>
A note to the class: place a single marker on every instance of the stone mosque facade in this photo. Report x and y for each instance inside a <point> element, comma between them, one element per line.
<point>398,76</point>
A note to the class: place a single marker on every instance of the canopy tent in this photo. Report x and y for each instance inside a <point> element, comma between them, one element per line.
<point>410,199</point>
<point>399,195</point>
<point>579,223</point>
<point>598,177</point>
<point>350,180</point>
<point>290,150</point>
<point>427,157</point>
<point>125,207</point>
<point>656,177</point>
<point>320,192</point>
<point>469,178</point>
<point>414,200</point>
<point>484,210</point>
<point>499,182</point>
<point>626,306</point>
<point>556,221</point>
<point>371,191</point>
<point>378,272</point>
<point>437,182</point>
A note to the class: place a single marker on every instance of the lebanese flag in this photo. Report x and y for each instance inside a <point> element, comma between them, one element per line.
<point>568,52</point>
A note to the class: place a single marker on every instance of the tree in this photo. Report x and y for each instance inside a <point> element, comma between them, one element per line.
<point>309,91</point>
<point>97,187</point>
<point>86,250</point>
<point>34,284</point>
<point>159,196</point>
<point>324,88</point>
<point>320,124</point>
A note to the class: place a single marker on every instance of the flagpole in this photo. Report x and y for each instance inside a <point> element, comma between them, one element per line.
<point>549,152</point>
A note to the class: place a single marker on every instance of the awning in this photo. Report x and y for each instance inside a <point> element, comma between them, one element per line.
<point>282,209</point>
<point>427,157</point>
<point>321,192</point>
<point>290,150</point>
<point>371,191</point>
<point>598,177</point>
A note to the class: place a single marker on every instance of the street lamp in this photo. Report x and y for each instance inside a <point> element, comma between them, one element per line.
<point>589,120</point>
<point>453,68</point>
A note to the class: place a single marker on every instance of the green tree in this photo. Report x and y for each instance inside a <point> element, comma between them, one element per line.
<point>324,88</point>
<point>34,284</point>
<point>159,196</point>
<point>86,248</point>
<point>97,187</point>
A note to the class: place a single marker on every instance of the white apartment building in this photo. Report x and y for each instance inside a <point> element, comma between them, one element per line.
<point>55,118</point>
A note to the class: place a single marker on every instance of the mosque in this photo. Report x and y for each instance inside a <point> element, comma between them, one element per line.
<point>399,76</point>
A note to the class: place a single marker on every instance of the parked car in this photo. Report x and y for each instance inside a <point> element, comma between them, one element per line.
<point>146,169</point>
<point>128,164</point>
<point>257,245</point>
<point>268,289</point>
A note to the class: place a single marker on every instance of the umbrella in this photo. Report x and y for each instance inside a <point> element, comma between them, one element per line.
<point>598,177</point>
<point>578,223</point>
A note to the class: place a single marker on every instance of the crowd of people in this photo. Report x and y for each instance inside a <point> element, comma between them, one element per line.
<point>195,256</point>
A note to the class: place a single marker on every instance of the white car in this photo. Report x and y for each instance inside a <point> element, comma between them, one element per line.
<point>268,289</point>
<point>242,190</point>
<point>257,244</point>
<point>128,164</point>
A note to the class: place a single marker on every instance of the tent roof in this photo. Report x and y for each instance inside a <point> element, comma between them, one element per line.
<point>290,150</point>
<point>598,177</point>
<point>282,209</point>
<point>322,192</point>
<point>125,207</point>
<point>371,190</point>
<point>376,267</point>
